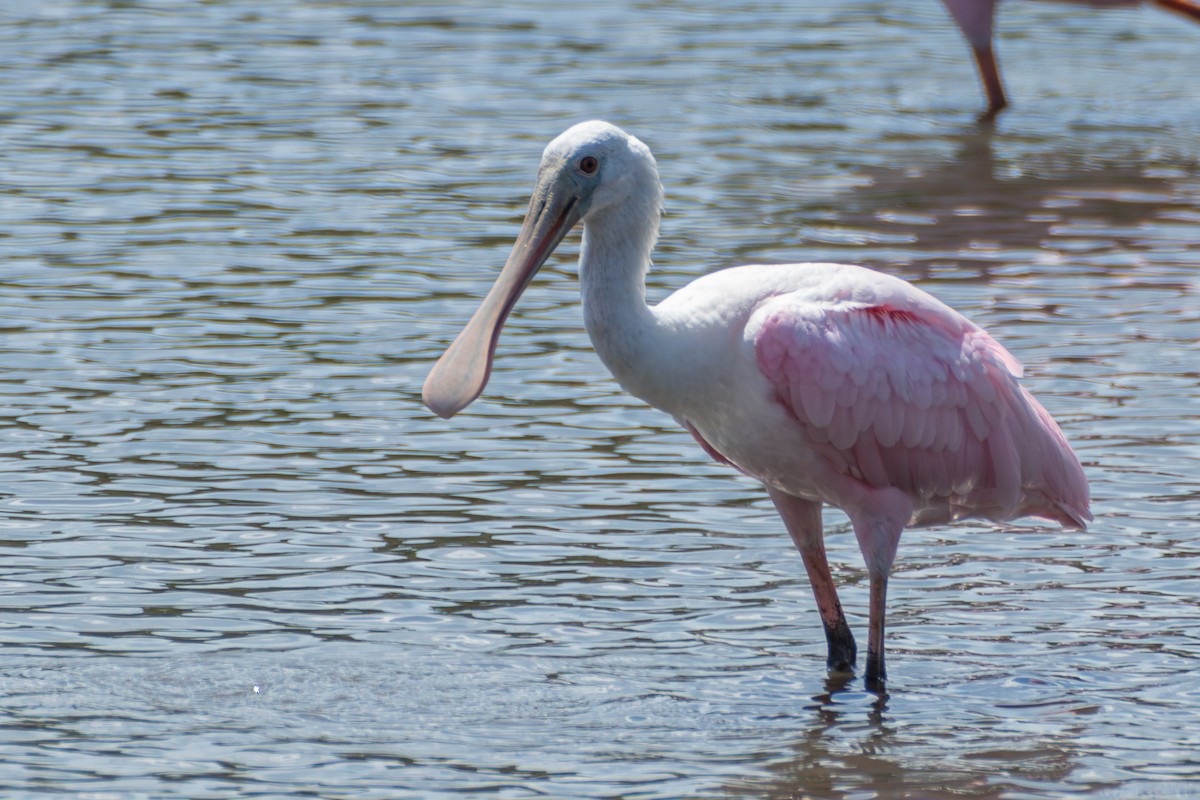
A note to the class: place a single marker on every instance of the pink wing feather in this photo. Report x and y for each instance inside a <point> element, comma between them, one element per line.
<point>914,396</point>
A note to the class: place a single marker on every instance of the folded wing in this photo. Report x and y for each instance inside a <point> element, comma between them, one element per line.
<point>916,397</point>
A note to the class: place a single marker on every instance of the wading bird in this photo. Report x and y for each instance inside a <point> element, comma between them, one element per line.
<point>829,383</point>
<point>975,19</point>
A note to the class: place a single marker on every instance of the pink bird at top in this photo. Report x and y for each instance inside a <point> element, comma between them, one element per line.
<point>829,383</point>
<point>975,19</point>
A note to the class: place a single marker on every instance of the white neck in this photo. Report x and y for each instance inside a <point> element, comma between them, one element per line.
<point>615,256</point>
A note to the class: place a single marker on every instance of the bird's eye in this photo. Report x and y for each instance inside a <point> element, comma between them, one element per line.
<point>588,165</point>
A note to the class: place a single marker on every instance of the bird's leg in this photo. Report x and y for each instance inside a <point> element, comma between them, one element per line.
<point>989,73</point>
<point>976,19</point>
<point>1189,8</point>
<point>878,537</point>
<point>803,521</point>
<point>876,671</point>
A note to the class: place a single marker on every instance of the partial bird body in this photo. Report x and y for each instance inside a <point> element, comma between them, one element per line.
<point>870,380</point>
<point>976,19</point>
<point>830,383</point>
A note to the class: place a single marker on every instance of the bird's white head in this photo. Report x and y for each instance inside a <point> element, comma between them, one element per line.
<point>591,170</point>
<point>601,165</point>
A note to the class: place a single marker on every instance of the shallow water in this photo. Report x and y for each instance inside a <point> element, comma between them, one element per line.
<point>239,558</point>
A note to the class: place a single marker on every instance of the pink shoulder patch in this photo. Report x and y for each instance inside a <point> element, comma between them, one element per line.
<point>885,311</point>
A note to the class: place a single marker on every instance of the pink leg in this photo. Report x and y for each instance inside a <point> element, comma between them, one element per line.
<point>878,539</point>
<point>876,671</point>
<point>803,521</point>
<point>1189,8</point>
<point>989,73</point>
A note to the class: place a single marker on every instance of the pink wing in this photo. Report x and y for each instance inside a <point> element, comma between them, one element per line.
<point>915,396</point>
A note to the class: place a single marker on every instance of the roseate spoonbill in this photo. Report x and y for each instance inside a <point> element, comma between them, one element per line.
<point>829,383</point>
<point>975,19</point>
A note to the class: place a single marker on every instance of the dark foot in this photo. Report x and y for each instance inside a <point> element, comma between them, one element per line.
<point>842,650</point>
<point>987,117</point>
<point>876,677</point>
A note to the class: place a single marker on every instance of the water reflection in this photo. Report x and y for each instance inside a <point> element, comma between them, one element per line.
<point>893,761</point>
<point>979,210</point>
<point>855,744</point>
<point>990,205</point>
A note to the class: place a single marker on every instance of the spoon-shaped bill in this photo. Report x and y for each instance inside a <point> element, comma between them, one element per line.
<point>462,372</point>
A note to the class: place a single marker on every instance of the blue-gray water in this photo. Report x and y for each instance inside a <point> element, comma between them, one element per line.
<point>239,559</point>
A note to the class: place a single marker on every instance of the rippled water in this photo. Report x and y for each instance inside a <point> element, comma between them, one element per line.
<point>239,558</point>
